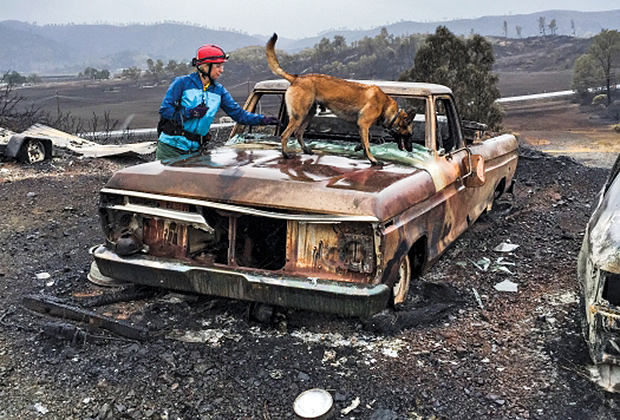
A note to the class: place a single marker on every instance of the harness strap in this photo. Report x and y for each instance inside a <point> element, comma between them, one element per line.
<point>174,129</point>
<point>391,124</point>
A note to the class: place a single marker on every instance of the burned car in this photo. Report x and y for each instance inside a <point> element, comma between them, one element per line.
<point>23,147</point>
<point>598,269</point>
<point>326,231</point>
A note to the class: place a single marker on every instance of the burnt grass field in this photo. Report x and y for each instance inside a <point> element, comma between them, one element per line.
<point>444,355</point>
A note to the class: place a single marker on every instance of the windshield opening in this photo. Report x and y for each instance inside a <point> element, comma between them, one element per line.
<point>326,126</point>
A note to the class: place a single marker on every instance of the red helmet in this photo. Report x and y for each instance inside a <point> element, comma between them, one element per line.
<point>209,54</point>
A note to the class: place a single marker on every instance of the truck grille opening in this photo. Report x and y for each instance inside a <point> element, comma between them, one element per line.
<point>260,242</point>
<point>234,240</point>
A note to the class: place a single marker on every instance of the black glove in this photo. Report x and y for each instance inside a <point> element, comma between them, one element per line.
<point>270,121</point>
<point>198,112</point>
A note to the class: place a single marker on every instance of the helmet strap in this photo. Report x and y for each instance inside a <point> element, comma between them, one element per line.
<point>206,74</point>
<point>211,81</point>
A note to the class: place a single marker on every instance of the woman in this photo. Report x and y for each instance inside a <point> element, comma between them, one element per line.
<point>190,105</point>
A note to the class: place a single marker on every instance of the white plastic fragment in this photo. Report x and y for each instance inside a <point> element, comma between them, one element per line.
<point>43,276</point>
<point>506,286</point>
<point>483,264</point>
<point>505,247</point>
<point>354,404</point>
<point>478,300</point>
<point>40,408</point>
<point>504,269</point>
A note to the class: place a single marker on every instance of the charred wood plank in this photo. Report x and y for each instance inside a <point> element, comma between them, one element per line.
<point>55,307</point>
<point>125,295</point>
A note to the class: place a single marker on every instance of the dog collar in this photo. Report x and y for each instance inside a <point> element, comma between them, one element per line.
<point>389,126</point>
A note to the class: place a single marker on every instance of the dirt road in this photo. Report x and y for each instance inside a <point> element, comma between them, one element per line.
<point>561,128</point>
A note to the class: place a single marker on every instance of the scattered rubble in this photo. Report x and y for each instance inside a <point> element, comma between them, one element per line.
<point>41,142</point>
<point>478,352</point>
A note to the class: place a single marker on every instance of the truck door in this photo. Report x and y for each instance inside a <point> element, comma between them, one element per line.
<point>446,138</point>
<point>450,158</point>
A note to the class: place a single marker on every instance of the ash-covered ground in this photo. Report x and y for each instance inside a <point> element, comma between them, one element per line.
<point>445,355</point>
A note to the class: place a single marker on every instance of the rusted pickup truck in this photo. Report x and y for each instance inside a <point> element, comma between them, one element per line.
<point>325,232</point>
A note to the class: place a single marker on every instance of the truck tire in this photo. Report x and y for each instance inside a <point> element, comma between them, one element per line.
<point>31,151</point>
<point>401,287</point>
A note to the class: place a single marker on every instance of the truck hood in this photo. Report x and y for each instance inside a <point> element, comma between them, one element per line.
<point>258,176</point>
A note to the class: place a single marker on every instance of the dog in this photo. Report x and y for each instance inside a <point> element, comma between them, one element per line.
<point>363,104</point>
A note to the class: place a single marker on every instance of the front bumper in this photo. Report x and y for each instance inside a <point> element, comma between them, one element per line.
<point>351,299</point>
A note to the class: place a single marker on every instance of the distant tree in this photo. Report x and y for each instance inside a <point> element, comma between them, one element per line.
<point>572,27</point>
<point>466,67</point>
<point>586,74</point>
<point>183,68</point>
<point>132,73</point>
<point>541,25</point>
<point>323,53</point>
<point>155,70</point>
<point>13,115</point>
<point>174,69</point>
<point>94,74</point>
<point>34,79</point>
<point>340,44</point>
<point>171,66</point>
<point>102,74</point>
<point>88,73</point>
<point>505,29</point>
<point>518,30</point>
<point>383,57</point>
<point>13,78</point>
<point>552,27</point>
<point>605,50</point>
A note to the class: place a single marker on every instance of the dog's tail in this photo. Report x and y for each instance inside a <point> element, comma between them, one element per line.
<point>272,60</point>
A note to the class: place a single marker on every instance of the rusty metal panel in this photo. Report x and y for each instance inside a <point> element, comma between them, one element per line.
<point>339,185</point>
<point>166,238</point>
<point>338,251</point>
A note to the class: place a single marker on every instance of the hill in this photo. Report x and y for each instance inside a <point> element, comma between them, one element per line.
<point>577,24</point>
<point>69,49</point>
<point>550,53</point>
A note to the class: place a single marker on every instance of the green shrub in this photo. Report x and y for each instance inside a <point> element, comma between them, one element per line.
<point>601,98</point>
<point>616,128</point>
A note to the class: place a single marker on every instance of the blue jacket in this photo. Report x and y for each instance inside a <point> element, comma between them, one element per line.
<point>185,93</point>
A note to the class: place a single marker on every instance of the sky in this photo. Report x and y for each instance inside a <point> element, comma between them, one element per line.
<point>290,19</point>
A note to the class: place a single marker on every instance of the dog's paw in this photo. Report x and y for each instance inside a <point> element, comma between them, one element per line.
<point>376,163</point>
<point>286,155</point>
<point>308,151</point>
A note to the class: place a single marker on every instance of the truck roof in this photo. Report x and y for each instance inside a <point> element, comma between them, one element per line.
<point>390,87</point>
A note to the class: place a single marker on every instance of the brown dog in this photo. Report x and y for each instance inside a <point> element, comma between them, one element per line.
<point>356,102</point>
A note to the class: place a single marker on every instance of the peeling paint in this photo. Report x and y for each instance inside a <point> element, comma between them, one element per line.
<point>598,269</point>
<point>323,231</point>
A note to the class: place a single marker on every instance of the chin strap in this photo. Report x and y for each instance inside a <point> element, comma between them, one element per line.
<point>207,74</point>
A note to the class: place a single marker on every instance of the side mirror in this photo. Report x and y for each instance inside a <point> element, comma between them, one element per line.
<point>475,176</point>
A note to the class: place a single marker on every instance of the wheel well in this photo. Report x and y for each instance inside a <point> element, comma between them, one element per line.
<point>19,145</point>
<point>499,189</point>
<point>417,256</point>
